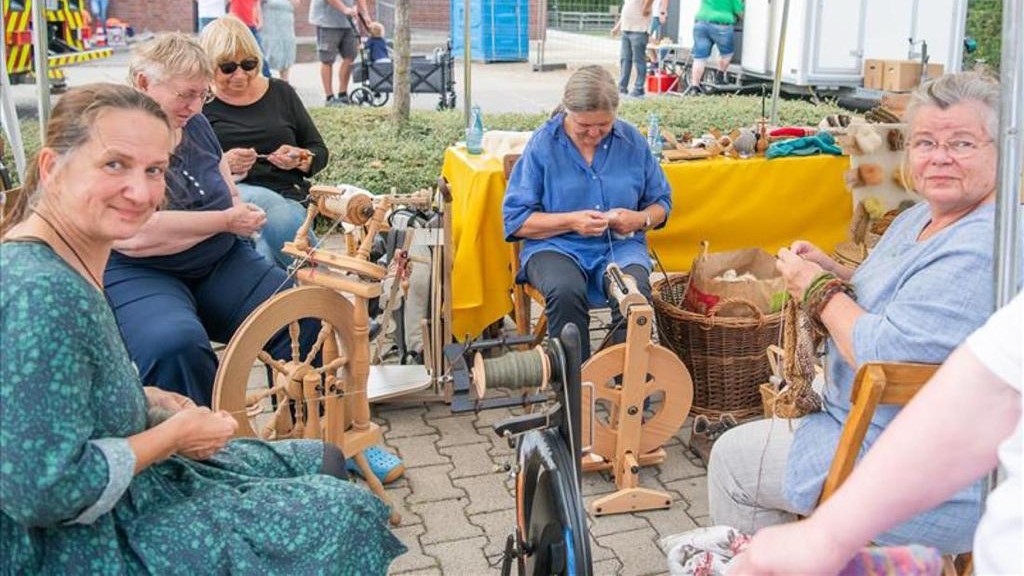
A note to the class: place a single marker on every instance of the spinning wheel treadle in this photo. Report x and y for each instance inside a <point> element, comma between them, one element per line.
<point>665,374</point>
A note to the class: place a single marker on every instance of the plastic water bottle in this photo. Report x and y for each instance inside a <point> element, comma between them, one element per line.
<point>475,132</point>
<point>654,135</point>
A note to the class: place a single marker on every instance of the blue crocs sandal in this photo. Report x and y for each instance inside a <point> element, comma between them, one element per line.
<point>384,465</point>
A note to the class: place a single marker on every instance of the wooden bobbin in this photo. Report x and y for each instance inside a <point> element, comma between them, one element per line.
<point>500,377</point>
<point>623,289</point>
<point>346,204</point>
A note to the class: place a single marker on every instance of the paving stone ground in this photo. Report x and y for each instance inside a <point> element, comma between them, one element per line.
<point>457,500</point>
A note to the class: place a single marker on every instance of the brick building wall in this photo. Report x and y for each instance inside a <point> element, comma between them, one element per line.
<point>155,15</point>
<point>179,15</point>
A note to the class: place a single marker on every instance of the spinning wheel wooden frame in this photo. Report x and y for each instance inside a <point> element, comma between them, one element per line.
<point>628,439</point>
<point>334,289</point>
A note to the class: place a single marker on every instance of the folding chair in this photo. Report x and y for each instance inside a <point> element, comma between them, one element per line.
<point>880,383</point>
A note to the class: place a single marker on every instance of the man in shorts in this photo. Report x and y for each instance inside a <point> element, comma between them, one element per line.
<point>713,25</point>
<point>336,35</point>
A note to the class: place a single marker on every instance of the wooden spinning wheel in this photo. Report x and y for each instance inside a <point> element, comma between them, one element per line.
<point>622,378</point>
<point>665,375</point>
<point>299,387</point>
<point>320,393</point>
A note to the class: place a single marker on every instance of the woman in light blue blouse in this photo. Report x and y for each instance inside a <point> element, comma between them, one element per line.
<point>582,196</point>
<point>924,288</point>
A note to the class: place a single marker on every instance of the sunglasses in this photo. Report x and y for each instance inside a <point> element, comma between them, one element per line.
<point>247,65</point>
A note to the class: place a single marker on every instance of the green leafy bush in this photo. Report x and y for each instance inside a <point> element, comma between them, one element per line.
<point>368,151</point>
<point>984,24</point>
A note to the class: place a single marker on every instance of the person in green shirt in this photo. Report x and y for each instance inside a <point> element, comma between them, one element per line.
<point>713,24</point>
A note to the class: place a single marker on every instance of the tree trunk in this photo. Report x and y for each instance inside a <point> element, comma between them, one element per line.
<point>402,81</point>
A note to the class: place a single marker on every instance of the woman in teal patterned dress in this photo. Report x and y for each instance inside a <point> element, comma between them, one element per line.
<point>100,475</point>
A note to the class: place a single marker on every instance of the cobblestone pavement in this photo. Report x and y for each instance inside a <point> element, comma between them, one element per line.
<point>457,504</point>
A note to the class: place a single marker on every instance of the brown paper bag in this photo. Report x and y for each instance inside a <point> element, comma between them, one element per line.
<point>706,289</point>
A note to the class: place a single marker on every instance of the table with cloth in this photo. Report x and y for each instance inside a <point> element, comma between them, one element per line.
<point>731,203</point>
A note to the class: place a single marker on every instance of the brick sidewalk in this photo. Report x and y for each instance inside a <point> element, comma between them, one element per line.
<point>457,504</point>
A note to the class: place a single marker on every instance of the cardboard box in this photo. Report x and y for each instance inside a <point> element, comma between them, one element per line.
<point>873,70</point>
<point>905,75</point>
<point>895,103</point>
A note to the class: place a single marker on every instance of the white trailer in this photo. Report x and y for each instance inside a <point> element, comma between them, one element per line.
<point>827,41</point>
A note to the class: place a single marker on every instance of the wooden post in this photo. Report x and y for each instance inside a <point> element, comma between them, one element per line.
<point>402,82</point>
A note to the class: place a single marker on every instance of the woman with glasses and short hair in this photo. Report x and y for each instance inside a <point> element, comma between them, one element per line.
<point>190,274</point>
<point>923,289</point>
<point>270,143</point>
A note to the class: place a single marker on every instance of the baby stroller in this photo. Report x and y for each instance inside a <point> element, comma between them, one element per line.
<point>430,74</point>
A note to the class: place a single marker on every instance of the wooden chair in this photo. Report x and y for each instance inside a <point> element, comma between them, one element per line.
<point>879,383</point>
<point>524,295</point>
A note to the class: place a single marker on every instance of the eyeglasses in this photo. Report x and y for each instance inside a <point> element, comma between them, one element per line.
<point>206,96</point>
<point>958,149</point>
<point>247,65</point>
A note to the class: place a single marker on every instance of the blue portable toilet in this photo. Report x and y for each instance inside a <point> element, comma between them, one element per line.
<point>499,30</point>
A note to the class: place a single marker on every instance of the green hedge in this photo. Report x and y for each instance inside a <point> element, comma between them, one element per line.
<point>367,150</point>
<point>984,24</point>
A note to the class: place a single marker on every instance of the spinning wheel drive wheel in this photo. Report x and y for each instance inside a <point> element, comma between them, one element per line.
<point>296,379</point>
<point>551,524</point>
<point>669,388</point>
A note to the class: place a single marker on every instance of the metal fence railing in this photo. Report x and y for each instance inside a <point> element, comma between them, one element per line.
<point>578,32</point>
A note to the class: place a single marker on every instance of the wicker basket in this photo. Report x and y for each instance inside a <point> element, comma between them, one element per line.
<point>850,254</point>
<point>726,356</point>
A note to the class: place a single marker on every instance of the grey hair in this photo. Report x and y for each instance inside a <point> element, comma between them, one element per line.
<point>951,89</point>
<point>591,89</point>
<point>170,55</point>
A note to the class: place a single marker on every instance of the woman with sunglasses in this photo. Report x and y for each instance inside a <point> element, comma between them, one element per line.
<point>270,142</point>
<point>189,275</point>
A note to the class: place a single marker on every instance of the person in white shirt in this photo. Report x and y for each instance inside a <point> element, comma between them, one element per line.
<point>207,11</point>
<point>633,22</point>
<point>958,427</point>
<point>659,12</point>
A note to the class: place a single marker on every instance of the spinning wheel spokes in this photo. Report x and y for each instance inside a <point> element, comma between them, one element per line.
<point>299,385</point>
<point>667,385</point>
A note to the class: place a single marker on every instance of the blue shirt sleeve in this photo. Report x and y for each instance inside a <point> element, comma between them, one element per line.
<point>933,310</point>
<point>525,188</point>
<point>656,188</point>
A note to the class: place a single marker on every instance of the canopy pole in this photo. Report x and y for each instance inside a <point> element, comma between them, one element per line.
<point>467,63</point>
<point>1007,253</point>
<point>40,53</point>
<point>779,53</point>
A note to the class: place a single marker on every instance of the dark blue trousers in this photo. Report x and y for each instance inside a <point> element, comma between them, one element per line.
<point>564,287</point>
<point>168,319</point>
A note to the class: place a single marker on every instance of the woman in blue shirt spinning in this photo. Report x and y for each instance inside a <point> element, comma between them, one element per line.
<point>583,196</point>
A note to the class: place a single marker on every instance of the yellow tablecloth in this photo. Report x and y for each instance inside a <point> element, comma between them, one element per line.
<point>732,203</point>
